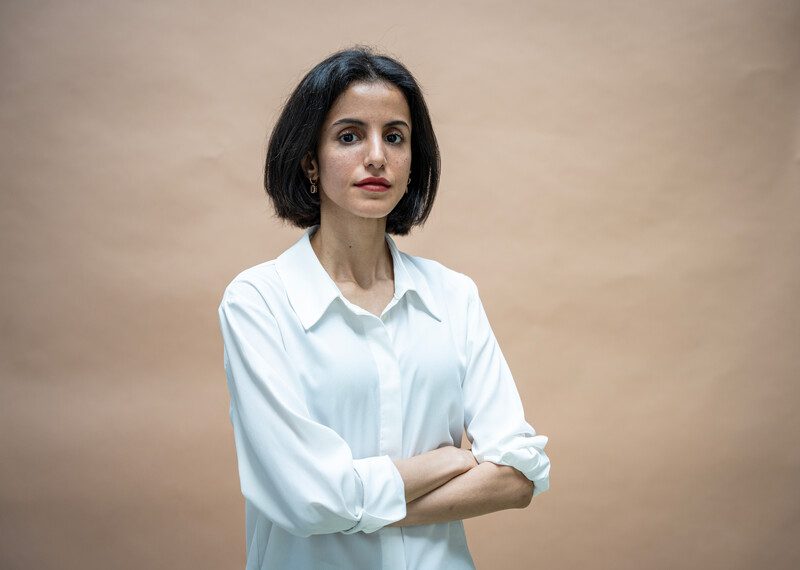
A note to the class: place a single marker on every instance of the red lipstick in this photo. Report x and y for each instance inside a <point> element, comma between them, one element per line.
<point>374,184</point>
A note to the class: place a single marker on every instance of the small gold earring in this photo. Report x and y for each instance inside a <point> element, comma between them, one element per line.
<point>313,186</point>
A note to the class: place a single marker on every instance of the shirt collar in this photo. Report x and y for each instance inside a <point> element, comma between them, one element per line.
<point>311,290</point>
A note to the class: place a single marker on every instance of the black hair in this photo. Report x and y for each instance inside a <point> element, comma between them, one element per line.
<point>298,127</point>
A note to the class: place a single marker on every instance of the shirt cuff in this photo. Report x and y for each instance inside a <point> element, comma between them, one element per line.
<point>527,455</point>
<point>384,494</point>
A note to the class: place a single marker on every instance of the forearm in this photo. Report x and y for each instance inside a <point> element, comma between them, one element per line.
<point>484,489</point>
<point>427,471</point>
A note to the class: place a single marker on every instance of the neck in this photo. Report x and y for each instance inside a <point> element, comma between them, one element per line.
<point>354,251</point>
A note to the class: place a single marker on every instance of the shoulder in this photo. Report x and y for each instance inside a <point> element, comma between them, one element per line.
<point>255,283</point>
<point>445,282</point>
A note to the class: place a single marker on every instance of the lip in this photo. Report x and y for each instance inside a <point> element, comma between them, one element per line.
<point>374,184</point>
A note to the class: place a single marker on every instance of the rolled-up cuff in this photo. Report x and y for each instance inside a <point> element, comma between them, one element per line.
<point>525,453</point>
<point>384,494</point>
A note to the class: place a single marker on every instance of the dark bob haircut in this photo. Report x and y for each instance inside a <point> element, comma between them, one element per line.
<point>297,133</point>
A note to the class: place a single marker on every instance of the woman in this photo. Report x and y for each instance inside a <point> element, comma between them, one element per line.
<point>353,367</point>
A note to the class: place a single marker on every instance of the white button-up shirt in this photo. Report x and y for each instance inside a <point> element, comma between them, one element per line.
<point>324,394</point>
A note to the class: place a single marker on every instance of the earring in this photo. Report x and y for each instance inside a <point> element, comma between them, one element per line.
<point>313,186</point>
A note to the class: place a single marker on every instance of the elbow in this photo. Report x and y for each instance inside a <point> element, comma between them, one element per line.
<point>300,530</point>
<point>362,499</point>
<point>315,518</point>
<point>301,518</point>
<point>525,495</point>
<point>516,487</point>
<point>523,488</point>
<point>304,528</point>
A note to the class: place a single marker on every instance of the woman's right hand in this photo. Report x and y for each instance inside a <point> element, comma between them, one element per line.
<point>461,457</point>
<point>425,472</point>
<point>469,459</point>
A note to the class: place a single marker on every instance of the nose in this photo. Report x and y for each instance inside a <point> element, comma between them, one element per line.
<point>376,156</point>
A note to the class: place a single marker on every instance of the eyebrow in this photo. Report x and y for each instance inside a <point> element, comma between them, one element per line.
<point>349,121</point>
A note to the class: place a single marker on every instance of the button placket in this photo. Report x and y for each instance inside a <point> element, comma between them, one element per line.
<point>391,420</point>
<point>390,394</point>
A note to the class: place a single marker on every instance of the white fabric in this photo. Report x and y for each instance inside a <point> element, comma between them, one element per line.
<point>323,394</point>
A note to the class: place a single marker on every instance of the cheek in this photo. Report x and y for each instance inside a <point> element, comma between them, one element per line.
<point>338,164</point>
<point>402,158</point>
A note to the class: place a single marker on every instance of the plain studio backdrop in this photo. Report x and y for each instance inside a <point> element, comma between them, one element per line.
<point>620,178</point>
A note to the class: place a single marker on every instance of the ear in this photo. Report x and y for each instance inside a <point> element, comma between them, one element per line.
<point>310,166</point>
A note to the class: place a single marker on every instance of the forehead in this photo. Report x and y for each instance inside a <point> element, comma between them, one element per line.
<point>377,101</point>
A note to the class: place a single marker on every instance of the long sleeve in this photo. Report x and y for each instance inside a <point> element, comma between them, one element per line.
<point>494,417</point>
<point>299,473</point>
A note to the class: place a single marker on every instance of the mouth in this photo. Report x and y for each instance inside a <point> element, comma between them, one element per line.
<point>373,184</point>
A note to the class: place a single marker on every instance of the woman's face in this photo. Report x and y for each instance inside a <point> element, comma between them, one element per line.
<point>367,133</point>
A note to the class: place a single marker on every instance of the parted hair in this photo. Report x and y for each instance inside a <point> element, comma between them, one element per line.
<point>298,127</point>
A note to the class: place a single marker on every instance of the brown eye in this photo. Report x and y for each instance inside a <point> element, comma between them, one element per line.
<point>347,134</point>
<point>399,137</point>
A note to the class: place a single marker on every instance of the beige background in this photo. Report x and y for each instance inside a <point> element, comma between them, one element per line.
<point>620,178</point>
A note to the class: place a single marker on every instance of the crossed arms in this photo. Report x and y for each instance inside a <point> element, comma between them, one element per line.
<point>448,484</point>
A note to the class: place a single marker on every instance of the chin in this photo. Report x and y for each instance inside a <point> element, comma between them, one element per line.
<point>373,215</point>
<point>373,209</point>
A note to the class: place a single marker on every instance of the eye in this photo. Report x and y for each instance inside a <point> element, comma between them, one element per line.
<point>398,135</point>
<point>347,134</point>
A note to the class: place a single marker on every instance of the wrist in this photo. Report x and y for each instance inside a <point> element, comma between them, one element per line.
<point>462,460</point>
<point>450,462</point>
